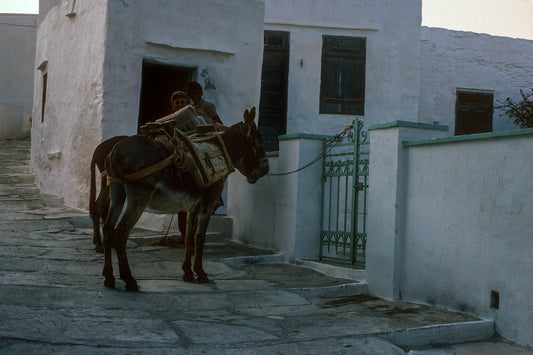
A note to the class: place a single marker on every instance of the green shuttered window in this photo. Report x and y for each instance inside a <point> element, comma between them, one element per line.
<point>342,87</point>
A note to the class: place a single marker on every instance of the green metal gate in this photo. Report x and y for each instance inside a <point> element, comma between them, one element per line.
<point>344,196</point>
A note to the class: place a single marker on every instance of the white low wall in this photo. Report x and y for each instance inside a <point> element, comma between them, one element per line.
<point>462,225</point>
<point>282,212</point>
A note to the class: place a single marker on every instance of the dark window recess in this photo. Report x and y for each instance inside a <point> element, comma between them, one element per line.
<point>494,300</point>
<point>43,104</point>
<point>342,86</point>
<point>473,112</point>
<point>158,83</point>
<point>274,76</point>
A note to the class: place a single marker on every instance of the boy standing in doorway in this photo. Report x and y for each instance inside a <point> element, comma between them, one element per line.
<point>203,108</point>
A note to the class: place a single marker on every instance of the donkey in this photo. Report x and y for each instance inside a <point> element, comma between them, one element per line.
<point>98,207</point>
<point>170,189</point>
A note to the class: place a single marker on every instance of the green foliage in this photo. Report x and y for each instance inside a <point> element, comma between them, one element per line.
<point>520,111</point>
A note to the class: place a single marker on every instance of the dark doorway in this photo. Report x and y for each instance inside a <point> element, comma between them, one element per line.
<point>473,112</point>
<point>274,76</point>
<point>158,83</point>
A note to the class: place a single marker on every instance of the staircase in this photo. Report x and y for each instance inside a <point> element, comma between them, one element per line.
<point>17,185</point>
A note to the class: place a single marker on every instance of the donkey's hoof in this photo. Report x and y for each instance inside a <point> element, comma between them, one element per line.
<point>203,280</point>
<point>188,277</point>
<point>109,283</point>
<point>132,287</point>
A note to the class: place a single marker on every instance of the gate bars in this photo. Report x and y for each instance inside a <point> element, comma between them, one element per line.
<point>344,197</point>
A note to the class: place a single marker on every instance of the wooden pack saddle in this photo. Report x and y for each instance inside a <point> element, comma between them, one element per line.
<point>202,154</point>
<point>197,149</point>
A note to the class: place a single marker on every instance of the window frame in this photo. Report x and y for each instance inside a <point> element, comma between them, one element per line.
<point>345,56</point>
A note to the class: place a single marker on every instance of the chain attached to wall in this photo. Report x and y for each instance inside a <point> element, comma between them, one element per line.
<point>329,144</point>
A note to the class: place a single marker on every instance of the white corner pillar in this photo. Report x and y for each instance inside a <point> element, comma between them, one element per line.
<point>386,201</point>
<point>297,227</point>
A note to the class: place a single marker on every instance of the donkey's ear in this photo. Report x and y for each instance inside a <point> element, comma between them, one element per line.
<point>249,116</point>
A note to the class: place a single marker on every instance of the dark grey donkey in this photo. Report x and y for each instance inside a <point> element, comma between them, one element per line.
<point>163,191</point>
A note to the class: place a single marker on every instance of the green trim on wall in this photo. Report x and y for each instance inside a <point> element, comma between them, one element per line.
<point>471,137</point>
<point>408,124</point>
<point>272,154</point>
<point>303,136</point>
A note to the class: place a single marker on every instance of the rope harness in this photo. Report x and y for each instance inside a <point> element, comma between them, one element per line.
<point>203,155</point>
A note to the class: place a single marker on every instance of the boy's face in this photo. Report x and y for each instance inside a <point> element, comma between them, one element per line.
<point>179,103</point>
<point>195,95</point>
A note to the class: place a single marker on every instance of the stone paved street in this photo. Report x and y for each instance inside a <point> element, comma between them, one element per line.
<point>52,298</point>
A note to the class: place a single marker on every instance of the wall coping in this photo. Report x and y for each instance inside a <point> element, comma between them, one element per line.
<point>408,124</point>
<point>471,137</point>
<point>286,137</point>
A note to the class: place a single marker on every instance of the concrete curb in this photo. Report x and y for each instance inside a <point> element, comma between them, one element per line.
<point>441,334</point>
<point>334,271</point>
<point>255,259</point>
<point>344,290</point>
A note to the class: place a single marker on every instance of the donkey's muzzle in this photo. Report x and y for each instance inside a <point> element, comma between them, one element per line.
<point>260,172</point>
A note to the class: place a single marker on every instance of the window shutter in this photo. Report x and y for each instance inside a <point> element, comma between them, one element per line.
<point>342,89</point>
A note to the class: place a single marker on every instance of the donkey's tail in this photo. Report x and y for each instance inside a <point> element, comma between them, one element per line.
<point>92,194</point>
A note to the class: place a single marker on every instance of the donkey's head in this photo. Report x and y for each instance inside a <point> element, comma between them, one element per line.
<point>252,161</point>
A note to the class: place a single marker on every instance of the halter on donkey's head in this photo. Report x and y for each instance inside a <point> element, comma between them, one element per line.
<point>254,163</point>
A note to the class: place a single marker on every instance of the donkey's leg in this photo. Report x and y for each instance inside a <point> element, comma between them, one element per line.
<point>117,197</point>
<point>205,209</point>
<point>137,200</point>
<point>101,211</point>
<point>97,239</point>
<point>199,241</point>
<point>192,219</point>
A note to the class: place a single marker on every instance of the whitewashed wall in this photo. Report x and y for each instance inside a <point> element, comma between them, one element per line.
<point>95,65</point>
<point>392,29</point>
<point>17,54</point>
<point>460,224</point>
<point>468,229</point>
<point>221,40</point>
<point>467,60</point>
<point>254,214</point>
<point>71,51</point>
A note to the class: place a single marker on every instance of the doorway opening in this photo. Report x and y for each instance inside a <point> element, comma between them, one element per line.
<point>158,83</point>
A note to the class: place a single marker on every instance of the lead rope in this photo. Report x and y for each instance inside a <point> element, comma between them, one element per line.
<point>330,144</point>
<point>168,229</point>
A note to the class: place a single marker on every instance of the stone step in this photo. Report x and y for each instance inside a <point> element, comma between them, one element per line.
<point>15,169</point>
<point>17,178</point>
<point>28,200</point>
<point>18,204</point>
<point>221,225</point>
<point>15,163</point>
<point>51,200</point>
<point>18,190</point>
